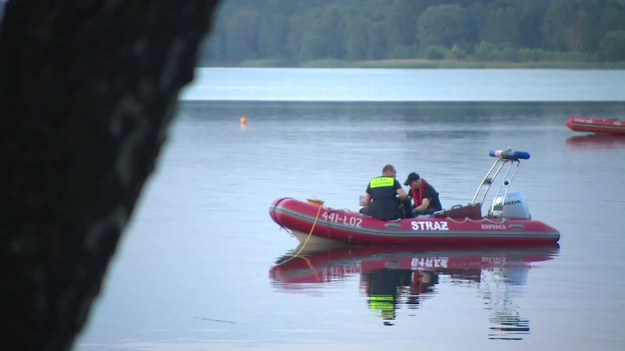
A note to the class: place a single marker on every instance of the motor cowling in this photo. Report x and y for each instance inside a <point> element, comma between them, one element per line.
<point>513,207</point>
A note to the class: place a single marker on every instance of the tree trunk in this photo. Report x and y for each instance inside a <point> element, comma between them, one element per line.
<point>87,91</point>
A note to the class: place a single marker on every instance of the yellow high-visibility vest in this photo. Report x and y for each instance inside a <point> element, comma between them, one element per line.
<point>381,182</point>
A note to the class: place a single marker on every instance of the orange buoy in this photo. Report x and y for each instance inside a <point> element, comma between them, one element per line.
<point>243,120</point>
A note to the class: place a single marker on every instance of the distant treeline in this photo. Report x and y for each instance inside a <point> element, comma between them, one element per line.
<point>290,32</point>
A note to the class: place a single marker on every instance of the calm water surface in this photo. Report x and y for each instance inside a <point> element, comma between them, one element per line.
<point>406,85</point>
<point>203,267</point>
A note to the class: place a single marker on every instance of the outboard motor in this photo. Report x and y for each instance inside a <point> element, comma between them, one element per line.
<point>513,207</point>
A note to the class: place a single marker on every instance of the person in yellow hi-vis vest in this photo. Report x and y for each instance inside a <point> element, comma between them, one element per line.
<point>384,196</point>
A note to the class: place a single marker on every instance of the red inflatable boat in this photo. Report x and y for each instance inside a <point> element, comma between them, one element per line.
<point>596,125</point>
<point>507,222</point>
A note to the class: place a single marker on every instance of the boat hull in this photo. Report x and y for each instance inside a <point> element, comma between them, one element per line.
<point>596,125</point>
<point>310,221</point>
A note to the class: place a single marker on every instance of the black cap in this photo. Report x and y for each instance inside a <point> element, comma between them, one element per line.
<point>411,178</point>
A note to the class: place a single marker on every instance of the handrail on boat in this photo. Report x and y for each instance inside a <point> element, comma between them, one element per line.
<point>504,157</point>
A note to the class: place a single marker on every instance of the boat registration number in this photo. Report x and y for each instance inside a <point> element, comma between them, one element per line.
<point>339,218</point>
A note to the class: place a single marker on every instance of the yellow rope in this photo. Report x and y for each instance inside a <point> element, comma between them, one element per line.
<point>305,241</point>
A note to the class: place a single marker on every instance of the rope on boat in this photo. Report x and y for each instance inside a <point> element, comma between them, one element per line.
<point>307,237</point>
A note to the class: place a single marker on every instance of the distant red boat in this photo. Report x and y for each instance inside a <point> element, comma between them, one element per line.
<point>596,125</point>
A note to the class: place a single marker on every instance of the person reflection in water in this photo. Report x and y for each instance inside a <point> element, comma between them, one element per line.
<point>384,286</point>
<point>383,196</point>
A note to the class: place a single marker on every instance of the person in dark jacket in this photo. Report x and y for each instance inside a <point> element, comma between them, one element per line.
<point>384,196</point>
<point>424,196</point>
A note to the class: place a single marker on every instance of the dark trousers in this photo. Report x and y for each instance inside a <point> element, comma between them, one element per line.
<point>369,212</point>
<point>408,211</point>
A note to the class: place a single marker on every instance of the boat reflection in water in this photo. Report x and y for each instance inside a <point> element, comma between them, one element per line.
<point>596,141</point>
<point>404,277</point>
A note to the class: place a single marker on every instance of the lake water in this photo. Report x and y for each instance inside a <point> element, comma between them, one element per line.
<point>406,85</point>
<point>203,267</point>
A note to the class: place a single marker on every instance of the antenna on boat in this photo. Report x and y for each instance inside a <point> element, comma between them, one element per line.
<point>504,158</point>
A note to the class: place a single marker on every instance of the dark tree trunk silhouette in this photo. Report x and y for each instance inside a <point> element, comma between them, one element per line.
<point>87,91</point>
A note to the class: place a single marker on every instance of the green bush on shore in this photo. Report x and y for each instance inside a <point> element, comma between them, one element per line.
<point>437,57</point>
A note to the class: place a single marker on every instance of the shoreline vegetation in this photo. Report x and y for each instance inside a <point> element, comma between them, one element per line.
<point>429,64</point>
<point>424,34</point>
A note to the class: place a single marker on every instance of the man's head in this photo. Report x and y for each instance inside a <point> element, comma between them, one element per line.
<point>413,180</point>
<point>389,171</point>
